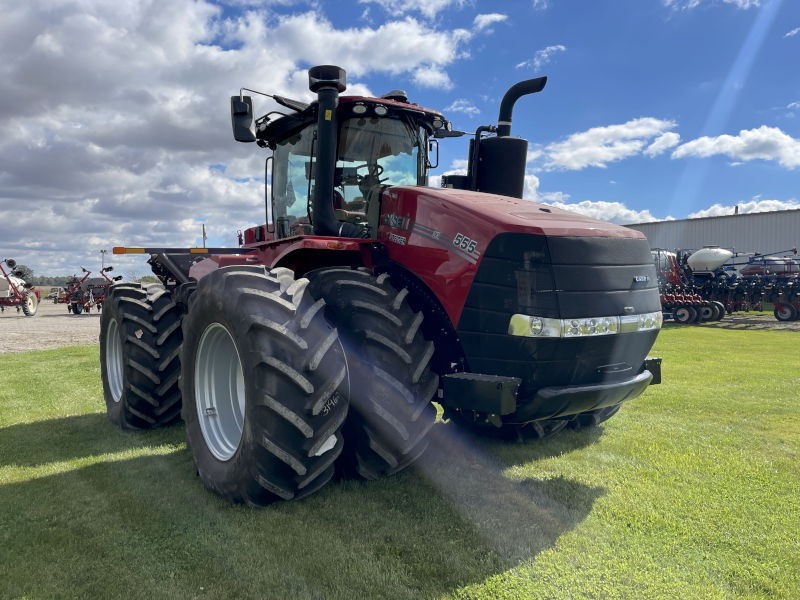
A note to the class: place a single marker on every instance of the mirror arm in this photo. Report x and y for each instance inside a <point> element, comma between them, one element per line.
<point>244,89</point>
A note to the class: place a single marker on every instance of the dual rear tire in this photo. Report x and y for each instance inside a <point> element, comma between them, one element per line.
<point>140,344</point>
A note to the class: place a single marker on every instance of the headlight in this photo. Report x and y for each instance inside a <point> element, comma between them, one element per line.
<point>529,326</point>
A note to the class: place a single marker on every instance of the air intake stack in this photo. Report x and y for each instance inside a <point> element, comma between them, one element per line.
<point>328,81</point>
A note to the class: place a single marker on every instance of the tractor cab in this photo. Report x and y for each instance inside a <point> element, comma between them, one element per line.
<point>372,152</point>
<point>336,153</point>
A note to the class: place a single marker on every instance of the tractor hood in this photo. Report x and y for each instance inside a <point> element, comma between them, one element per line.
<point>443,235</point>
<point>511,214</point>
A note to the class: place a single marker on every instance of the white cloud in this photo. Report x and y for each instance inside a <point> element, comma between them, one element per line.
<point>684,4</point>
<point>429,8</point>
<point>662,143</point>
<point>793,32</point>
<point>542,57</point>
<point>794,105</point>
<point>481,22</point>
<point>601,145</point>
<point>613,212</point>
<point>113,114</point>
<point>539,4</point>
<point>433,77</point>
<point>765,143</point>
<point>756,205</point>
<point>463,106</point>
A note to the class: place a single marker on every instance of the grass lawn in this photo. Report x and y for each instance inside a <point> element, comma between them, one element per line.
<point>692,491</point>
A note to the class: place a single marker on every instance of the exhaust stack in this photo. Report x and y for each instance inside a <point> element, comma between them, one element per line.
<point>515,92</point>
<point>499,162</point>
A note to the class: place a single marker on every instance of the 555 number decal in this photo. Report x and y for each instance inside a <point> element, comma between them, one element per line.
<point>465,243</point>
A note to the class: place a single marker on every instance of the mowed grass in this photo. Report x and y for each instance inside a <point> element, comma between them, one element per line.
<point>691,491</point>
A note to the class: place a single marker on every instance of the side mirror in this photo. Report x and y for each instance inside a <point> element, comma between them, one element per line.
<point>445,133</point>
<point>242,119</point>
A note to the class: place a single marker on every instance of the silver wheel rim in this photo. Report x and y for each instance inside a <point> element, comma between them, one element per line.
<point>682,313</point>
<point>31,303</point>
<point>219,392</point>
<point>114,364</point>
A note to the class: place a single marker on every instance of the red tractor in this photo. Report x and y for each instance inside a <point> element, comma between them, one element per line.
<point>15,291</point>
<point>321,342</point>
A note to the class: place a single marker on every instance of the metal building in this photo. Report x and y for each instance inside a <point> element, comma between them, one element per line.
<point>754,232</point>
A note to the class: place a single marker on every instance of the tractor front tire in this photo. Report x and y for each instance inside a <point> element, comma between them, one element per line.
<point>30,304</point>
<point>140,343</point>
<point>262,372</point>
<point>391,382</point>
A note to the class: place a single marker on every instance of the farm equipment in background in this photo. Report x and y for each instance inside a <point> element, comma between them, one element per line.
<point>321,342</point>
<point>684,297</point>
<point>15,291</point>
<point>85,293</point>
<point>693,283</point>
<point>776,276</point>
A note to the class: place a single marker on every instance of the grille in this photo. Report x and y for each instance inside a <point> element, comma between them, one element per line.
<point>558,277</point>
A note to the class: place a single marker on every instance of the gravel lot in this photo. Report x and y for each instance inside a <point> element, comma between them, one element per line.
<point>52,327</point>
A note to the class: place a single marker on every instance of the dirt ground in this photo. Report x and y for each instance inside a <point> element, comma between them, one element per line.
<point>52,327</point>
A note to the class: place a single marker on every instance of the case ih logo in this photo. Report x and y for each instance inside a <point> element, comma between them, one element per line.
<point>395,221</point>
<point>641,279</point>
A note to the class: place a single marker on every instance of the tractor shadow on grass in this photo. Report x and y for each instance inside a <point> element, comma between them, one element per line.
<point>75,437</point>
<point>455,519</point>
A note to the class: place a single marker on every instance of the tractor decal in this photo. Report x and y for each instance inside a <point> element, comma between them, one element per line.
<point>460,245</point>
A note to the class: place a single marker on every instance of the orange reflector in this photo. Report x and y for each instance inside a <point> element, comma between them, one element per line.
<point>198,250</point>
<point>336,245</point>
<point>118,250</point>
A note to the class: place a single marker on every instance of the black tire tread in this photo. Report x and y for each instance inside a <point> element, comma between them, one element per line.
<point>391,382</point>
<point>277,457</point>
<point>150,384</point>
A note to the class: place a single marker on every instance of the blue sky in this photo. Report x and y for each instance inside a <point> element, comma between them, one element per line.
<point>114,122</point>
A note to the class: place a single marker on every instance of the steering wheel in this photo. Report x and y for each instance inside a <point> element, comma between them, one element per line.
<point>378,169</point>
<point>374,173</point>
